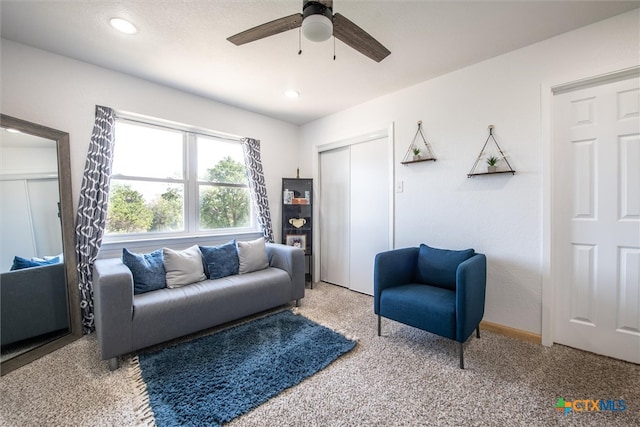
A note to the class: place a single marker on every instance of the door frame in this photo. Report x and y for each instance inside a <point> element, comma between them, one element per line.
<point>387,133</point>
<point>616,72</point>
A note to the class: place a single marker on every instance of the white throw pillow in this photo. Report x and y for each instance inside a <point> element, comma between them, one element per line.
<point>183,267</point>
<point>252,256</point>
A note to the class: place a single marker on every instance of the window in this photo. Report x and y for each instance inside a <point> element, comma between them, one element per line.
<point>171,181</point>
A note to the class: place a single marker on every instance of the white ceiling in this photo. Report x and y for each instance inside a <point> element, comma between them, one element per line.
<point>182,44</point>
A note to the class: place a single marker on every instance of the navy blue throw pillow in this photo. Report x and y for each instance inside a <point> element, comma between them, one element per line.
<point>19,263</point>
<point>147,269</point>
<point>438,267</point>
<point>221,261</point>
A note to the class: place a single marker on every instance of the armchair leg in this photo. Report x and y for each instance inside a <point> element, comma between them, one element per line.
<point>461,357</point>
<point>379,325</point>
<point>478,331</point>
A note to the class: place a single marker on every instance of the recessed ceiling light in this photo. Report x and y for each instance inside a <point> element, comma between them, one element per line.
<point>123,25</point>
<point>291,94</point>
<point>12,130</point>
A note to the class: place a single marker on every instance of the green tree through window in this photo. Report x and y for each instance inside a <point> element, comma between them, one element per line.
<point>127,211</point>
<point>167,211</point>
<point>225,206</point>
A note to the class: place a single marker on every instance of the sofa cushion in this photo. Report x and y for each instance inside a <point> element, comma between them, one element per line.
<point>183,267</point>
<point>60,258</point>
<point>252,256</point>
<point>438,267</point>
<point>19,262</point>
<point>147,270</point>
<point>220,261</point>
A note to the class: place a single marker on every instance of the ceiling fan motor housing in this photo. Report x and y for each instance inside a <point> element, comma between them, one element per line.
<point>316,8</point>
<point>317,25</point>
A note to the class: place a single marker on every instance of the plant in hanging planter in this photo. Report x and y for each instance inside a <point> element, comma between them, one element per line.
<point>416,153</point>
<point>492,163</point>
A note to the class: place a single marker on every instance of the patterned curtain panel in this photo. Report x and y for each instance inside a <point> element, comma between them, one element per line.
<point>92,208</point>
<point>251,149</point>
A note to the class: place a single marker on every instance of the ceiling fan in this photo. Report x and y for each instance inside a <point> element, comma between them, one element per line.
<point>318,24</point>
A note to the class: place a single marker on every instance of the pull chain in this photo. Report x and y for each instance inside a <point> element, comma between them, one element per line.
<point>334,48</point>
<point>299,41</point>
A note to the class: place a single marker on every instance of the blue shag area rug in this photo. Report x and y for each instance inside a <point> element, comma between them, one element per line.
<point>214,379</point>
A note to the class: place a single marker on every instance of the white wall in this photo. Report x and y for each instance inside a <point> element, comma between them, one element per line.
<point>61,93</point>
<point>499,215</point>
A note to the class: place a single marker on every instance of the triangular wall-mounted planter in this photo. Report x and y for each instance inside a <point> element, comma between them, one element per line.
<point>474,170</point>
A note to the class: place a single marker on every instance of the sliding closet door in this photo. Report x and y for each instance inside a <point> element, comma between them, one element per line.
<point>369,219</point>
<point>334,216</point>
<point>354,212</point>
<point>44,202</point>
<point>15,222</point>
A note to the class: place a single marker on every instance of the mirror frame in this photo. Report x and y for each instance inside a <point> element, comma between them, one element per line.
<point>68,241</point>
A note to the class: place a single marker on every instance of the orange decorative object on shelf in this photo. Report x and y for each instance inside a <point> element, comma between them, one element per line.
<point>299,201</point>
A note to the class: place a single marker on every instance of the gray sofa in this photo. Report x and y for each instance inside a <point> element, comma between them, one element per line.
<point>33,302</point>
<point>126,322</point>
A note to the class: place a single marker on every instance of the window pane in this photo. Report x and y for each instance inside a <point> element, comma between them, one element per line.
<point>220,161</point>
<point>224,207</point>
<point>141,207</point>
<point>148,152</point>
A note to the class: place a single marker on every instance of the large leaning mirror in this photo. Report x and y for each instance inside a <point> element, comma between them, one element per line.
<point>39,296</point>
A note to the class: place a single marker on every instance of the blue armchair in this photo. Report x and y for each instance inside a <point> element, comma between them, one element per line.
<point>439,291</point>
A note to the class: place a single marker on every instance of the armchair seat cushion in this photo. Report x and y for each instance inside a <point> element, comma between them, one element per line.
<point>422,306</point>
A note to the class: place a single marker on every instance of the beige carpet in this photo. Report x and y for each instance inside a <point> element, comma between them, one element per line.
<point>404,378</point>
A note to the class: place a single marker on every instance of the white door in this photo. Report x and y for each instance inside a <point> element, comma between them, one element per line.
<point>354,212</point>
<point>369,211</point>
<point>335,190</point>
<point>15,223</point>
<point>596,219</point>
<point>43,200</point>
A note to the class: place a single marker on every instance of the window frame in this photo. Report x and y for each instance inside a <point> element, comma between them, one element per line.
<point>190,183</point>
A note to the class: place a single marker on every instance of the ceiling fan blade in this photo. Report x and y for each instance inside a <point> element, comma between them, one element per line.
<point>269,29</point>
<point>354,36</point>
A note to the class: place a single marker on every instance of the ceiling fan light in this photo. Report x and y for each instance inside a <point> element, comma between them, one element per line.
<point>317,28</point>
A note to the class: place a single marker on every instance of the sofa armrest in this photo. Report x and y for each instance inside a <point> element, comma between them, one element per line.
<point>113,306</point>
<point>33,301</point>
<point>471,284</point>
<point>291,260</point>
<point>393,268</point>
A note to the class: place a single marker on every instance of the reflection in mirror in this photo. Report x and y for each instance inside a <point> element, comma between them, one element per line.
<point>31,244</point>
<point>37,263</point>
<point>29,193</point>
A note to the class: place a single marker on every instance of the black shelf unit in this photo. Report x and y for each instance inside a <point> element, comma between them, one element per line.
<point>297,218</point>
